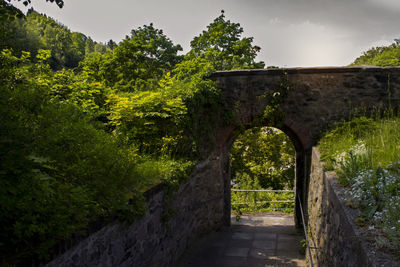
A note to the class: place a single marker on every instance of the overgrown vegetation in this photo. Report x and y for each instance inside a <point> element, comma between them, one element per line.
<point>262,158</point>
<point>259,201</point>
<point>87,127</point>
<point>364,152</point>
<point>383,56</point>
<point>35,31</point>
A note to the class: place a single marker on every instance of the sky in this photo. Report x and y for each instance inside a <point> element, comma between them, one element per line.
<point>291,33</point>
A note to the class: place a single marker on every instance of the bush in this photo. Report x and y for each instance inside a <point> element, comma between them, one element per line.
<point>364,154</point>
<point>58,171</point>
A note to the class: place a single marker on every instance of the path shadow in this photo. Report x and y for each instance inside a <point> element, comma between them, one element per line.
<point>251,242</point>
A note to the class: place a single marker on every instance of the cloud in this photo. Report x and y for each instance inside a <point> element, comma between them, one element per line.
<point>360,17</point>
<point>318,32</point>
<point>290,32</point>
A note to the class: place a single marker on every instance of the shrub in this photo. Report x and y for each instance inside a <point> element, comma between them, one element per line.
<point>364,153</point>
<point>57,170</point>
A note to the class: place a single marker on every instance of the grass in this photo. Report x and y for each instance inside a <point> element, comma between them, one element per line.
<point>364,152</point>
<point>252,202</point>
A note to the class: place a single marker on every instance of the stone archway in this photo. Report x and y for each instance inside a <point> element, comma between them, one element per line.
<point>300,174</point>
<point>317,97</point>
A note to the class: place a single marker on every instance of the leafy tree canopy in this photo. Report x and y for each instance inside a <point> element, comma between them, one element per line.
<point>58,170</point>
<point>146,54</point>
<point>222,44</point>
<point>137,62</point>
<point>81,144</point>
<point>263,157</point>
<point>383,56</point>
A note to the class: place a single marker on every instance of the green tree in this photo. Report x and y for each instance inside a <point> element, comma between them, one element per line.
<point>137,63</point>
<point>383,56</point>
<point>143,58</point>
<point>58,170</point>
<point>36,31</point>
<point>265,157</point>
<point>13,34</point>
<point>78,47</point>
<point>89,46</point>
<point>149,120</point>
<point>111,44</point>
<point>222,45</point>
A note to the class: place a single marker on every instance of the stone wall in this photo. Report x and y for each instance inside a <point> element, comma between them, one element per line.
<point>334,238</point>
<point>197,209</point>
<point>317,98</point>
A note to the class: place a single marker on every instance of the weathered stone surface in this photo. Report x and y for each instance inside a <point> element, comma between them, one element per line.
<point>334,237</point>
<point>317,98</point>
<point>197,208</point>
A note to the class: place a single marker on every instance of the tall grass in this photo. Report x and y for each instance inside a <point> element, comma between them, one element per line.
<point>365,154</point>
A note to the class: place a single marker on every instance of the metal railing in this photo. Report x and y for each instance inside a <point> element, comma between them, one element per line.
<point>251,197</point>
<point>305,231</point>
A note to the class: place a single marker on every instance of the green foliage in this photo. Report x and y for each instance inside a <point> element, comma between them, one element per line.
<point>57,171</point>
<point>83,144</point>
<point>146,119</point>
<point>221,45</point>
<point>259,201</point>
<point>92,67</point>
<point>90,97</point>
<point>137,62</point>
<point>364,154</point>
<point>163,170</point>
<point>35,31</point>
<point>10,25</point>
<point>263,156</point>
<point>362,139</point>
<point>179,112</point>
<point>351,165</point>
<point>43,55</point>
<point>42,32</point>
<point>144,56</point>
<point>382,56</point>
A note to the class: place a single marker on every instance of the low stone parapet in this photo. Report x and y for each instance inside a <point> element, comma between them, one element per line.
<point>335,239</point>
<point>171,224</point>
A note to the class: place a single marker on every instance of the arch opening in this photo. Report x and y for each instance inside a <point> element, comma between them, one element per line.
<point>294,168</point>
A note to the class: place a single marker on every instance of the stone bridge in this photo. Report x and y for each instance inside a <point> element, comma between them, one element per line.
<point>315,99</point>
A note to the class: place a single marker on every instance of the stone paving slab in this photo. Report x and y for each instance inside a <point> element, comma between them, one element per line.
<point>253,241</point>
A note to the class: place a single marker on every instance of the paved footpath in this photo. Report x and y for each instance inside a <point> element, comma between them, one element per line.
<point>254,241</point>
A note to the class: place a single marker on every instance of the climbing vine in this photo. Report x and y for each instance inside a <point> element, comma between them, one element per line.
<point>272,114</point>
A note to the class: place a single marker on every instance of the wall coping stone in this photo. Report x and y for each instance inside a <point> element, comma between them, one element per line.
<point>154,190</point>
<point>302,70</point>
